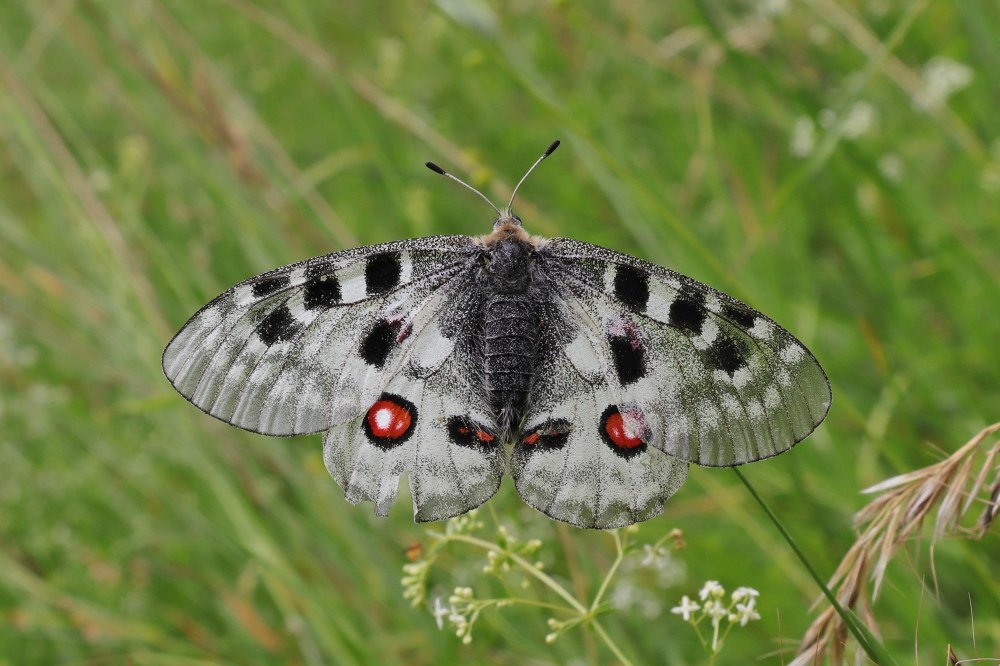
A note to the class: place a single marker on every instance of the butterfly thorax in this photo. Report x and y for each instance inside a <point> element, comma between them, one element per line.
<point>513,297</point>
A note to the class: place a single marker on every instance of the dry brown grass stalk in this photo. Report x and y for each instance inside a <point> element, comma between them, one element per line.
<point>896,515</point>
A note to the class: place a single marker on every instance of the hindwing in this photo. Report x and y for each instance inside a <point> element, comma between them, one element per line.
<point>578,461</point>
<point>436,429</point>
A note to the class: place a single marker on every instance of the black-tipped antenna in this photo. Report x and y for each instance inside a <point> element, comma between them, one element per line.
<point>436,169</point>
<point>548,151</point>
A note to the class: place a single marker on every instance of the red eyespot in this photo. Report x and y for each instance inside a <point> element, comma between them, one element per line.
<point>532,438</point>
<point>617,436</point>
<point>615,427</point>
<point>484,436</point>
<point>390,420</point>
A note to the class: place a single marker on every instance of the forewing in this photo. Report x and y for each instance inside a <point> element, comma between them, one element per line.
<point>713,381</point>
<point>450,449</point>
<point>302,348</point>
<point>575,462</point>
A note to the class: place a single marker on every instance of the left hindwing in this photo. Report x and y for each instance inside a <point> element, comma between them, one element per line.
<point>705,378</point>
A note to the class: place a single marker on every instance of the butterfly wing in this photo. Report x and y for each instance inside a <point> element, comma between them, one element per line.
<point>703,377</point>
<point>309,346</point>
<point>445,440</point>
<point>574,460</point>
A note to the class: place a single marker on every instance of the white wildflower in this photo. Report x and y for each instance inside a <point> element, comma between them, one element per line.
<point>440,612</point>
<point>741,593</point>
<point>803,136</point>
<point>685,608</point>
<point>858,120</point>
<point>715,610</point>
<point>655,557</point>
<point>745,613</point>
<point>941,77</point>
<point>711,589</point>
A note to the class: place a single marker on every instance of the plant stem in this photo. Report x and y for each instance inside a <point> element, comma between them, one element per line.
<point>610,643</point>
<point>872,647</point>
<point>619,556</point>
<point>528,567</point>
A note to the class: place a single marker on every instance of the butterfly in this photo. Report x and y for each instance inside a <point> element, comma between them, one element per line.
<point>592,377</point>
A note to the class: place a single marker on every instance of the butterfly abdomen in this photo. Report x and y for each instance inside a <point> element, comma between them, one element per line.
<point>510,337</point>
<point>510,327</point>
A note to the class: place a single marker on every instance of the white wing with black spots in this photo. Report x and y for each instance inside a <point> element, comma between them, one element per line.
<point>716,382</point>
<point>577,461</point>
<point>284,352</point>
<point>438,430</point>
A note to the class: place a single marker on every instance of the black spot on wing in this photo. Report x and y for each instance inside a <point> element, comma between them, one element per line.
<point>279,325</point>
<point>323,292</point>
<point>375,346</point>
<point>688,311</point>
<point>550,435</point>
<point>742,318</point>
<point>318,268</point>
<point>382,272</point>
<point>629,356</point>
<point>632,287</point>
<point>727,354</point>
<point>270,285</point>
<point>466,432</point>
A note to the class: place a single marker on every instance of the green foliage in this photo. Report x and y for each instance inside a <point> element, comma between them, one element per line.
<point>834,164</point>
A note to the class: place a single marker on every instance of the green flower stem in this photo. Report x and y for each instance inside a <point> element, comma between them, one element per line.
<point>528,567</point>
<point>871,645</point>
<point>548,581</point>
<point>619,556</point>
<point>538,604</point>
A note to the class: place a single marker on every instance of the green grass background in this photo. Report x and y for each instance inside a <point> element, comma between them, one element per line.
<point>155,153</point>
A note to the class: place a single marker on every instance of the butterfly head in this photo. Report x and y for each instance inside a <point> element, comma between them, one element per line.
<point>506,218</point>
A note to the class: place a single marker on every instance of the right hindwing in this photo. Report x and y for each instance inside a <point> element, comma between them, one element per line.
<point>575,459</point>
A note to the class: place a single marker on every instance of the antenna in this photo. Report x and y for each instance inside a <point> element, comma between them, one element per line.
<point>548,151</point>
<point>506,213</point>
<point>436,169</point>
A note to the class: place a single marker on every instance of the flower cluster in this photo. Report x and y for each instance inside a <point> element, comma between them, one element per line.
<point>512,559</point>
<point>417,572</point>
<point>740,609</point>
<point>499,562</point>
<point>415,581</point>
<point>462,611</point>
